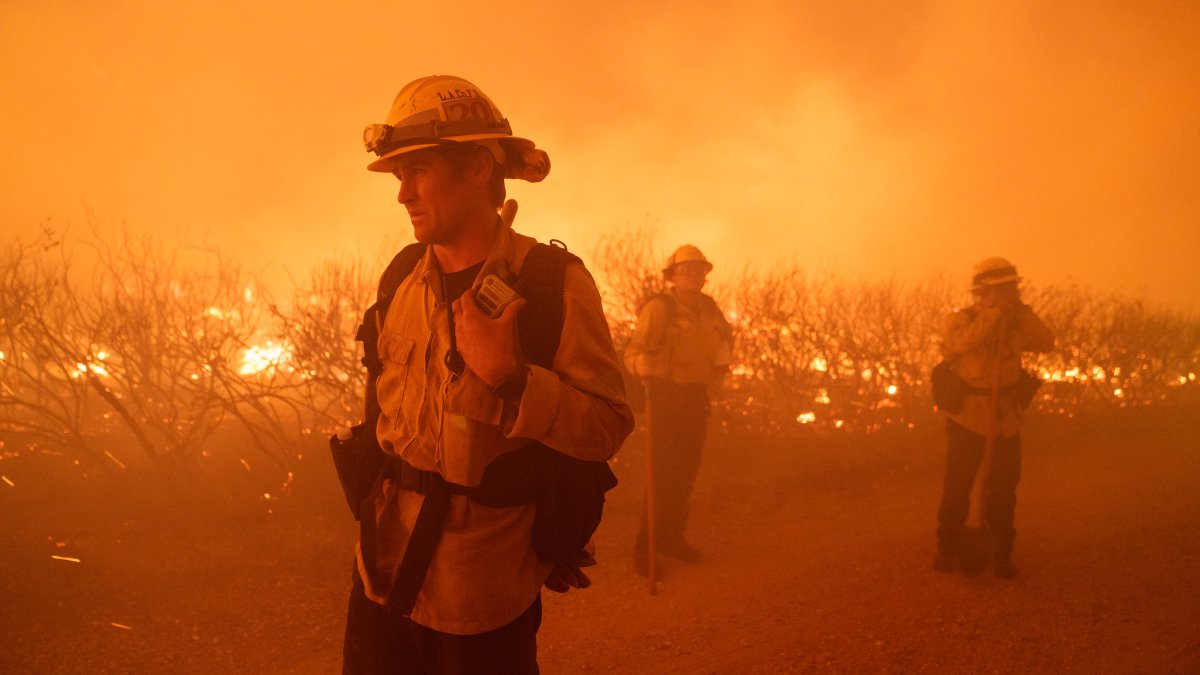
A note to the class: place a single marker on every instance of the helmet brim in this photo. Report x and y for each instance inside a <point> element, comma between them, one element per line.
<point>999,281</point>
<point>387,163</point>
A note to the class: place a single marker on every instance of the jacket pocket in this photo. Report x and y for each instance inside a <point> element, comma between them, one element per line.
<point>470,433</point>
<point>395,351</point>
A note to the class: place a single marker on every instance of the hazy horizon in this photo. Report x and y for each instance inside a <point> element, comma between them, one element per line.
<point>878,138</point>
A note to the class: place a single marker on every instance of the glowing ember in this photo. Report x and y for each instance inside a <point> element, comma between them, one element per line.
<point>122,626</point>
<point>9,482</point>
<point>65,558</point>
<point>819,364</point>
<point>806,418</point>
<point>891,390</point>
<point>94,368</point>
<point>258,359</point>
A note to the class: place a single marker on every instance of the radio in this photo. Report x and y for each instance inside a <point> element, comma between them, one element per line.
<point>494,295</point>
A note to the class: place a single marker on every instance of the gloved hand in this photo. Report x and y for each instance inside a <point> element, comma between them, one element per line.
<point>566,576</point>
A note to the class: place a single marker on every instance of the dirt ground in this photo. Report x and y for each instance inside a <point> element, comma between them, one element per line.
<point>818,560</point>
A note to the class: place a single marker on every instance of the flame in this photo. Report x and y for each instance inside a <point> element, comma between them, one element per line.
<point>94,368</point>
<point>806,417</point>
<point>266,357</point>
<point>819,364</point>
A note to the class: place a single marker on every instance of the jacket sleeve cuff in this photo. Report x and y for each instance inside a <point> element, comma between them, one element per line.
<point>538,404</point>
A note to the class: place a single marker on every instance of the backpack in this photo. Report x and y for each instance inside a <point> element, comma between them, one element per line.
<point>568,492</point>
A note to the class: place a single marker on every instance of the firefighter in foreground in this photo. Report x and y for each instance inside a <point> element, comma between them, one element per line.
<point>681,350</point>
<point>983,345</point>
<point>453,547</point>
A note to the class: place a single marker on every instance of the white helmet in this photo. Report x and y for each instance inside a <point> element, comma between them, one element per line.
<point>441,109</point>
<point>685,253</point>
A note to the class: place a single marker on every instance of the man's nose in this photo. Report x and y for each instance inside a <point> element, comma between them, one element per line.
<point>405,195</point>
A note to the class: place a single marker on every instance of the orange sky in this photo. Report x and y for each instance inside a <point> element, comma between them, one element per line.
<point>873,137</point>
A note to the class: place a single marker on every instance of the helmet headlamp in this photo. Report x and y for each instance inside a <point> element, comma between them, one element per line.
<point>384,138</point>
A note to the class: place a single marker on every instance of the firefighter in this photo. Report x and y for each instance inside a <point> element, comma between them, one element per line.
<point>983,344</point>
<point>458,392</point>
<point>681,350</point>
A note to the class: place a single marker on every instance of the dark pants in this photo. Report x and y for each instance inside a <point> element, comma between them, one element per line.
<point>678,420</point>
<point>963,455</point>
<point>378,641</point>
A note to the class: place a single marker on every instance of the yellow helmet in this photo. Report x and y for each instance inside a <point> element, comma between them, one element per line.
<point>440,109</point>
<point>993,272</point>
<point>685,253</point>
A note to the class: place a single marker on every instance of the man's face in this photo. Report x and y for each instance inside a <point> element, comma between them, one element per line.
<point>436,196</point>
<point>1002,296</point>
<point>689,276</point>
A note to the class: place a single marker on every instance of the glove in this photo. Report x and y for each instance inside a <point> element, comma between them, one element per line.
<point>566,576</point>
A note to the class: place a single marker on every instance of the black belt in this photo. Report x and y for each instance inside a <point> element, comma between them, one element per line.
<point>985,391</point>
<point>409,477</point>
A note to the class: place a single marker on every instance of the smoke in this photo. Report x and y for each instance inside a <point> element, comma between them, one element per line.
<point>883,138</point>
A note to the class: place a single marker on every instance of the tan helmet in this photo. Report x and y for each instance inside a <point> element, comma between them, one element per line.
<point>685,253</point>
<point>993,272</point>
<point>442,109</point>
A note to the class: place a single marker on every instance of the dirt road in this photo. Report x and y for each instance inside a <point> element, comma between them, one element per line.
<point>818,561</point>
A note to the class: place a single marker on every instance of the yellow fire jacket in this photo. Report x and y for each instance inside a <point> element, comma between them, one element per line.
<point>484,572</point>
<point>970,340</point>
<point>681,343</point>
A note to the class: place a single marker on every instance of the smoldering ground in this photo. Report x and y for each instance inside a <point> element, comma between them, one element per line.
<point>817,560</point>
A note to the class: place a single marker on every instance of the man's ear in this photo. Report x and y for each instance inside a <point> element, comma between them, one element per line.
<point>482,166</point>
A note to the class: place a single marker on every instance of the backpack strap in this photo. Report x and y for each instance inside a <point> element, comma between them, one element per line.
<point>541,283</point>
<point>397,270</point>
